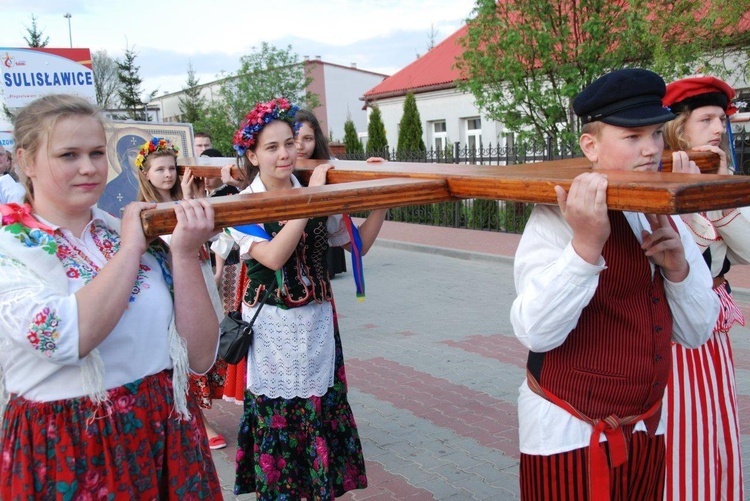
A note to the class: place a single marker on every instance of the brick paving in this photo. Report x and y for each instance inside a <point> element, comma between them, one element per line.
<point>433,367</point>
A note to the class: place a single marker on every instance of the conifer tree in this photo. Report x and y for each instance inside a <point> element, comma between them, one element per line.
<point>410,129</point>
<point>36,36</point>
<point>377,143</point>
<point>351,140</point>
<point>193,105</point>
<point>130,90</point>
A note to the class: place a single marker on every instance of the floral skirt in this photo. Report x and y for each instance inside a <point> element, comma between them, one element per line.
<point>300,447</point>
<point>210,385</point>
<point>133,448</point>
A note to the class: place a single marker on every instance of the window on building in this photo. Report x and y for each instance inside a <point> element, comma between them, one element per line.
<point>439,135</point>
<point>474,133</point>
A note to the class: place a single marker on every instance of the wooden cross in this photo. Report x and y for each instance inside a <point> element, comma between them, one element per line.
<point>358,186</point>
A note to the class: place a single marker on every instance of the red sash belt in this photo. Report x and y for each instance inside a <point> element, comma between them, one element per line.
<point>598,482</point>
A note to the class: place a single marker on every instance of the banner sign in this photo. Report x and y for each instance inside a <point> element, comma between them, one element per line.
<point>29,73</point>
<point>6,140</point>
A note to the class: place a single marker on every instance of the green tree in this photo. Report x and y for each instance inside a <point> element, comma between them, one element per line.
<point>36,36</point>
<point>219,124</point>
<point>525,60</point>
<point>8,113</point>
<point>377,143</point>
<point>106,83</point>
<point>130,86</point>
<point>193,105</point>
<point>351,139</point>
<point>410,129</point>
<point>266,73</point>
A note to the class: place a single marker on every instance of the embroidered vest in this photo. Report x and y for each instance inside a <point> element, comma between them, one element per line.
<point>305,274</point>
<point>618,357</point>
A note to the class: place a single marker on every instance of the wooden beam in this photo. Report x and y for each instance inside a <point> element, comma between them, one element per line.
<point>211,166</point>
<point>652,192</point>
<point>207,166</point>
<point>306,202</point>
<point>357,186</point>
<point>655,192</point>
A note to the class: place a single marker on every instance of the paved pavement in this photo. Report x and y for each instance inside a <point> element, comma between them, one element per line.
<point>433,367</point>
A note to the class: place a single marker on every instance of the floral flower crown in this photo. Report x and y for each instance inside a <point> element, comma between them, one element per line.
<point>156,144</point>
<point>258,117</point>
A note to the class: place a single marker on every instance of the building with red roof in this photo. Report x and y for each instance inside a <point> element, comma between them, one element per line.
<point>449,115</point>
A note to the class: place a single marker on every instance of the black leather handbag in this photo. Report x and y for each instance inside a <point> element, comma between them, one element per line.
<point>236,335</point>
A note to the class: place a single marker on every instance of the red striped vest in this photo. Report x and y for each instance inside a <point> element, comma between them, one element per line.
<point>617,359</point>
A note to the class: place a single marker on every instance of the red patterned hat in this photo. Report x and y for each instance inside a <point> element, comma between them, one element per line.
<point>695,92</point>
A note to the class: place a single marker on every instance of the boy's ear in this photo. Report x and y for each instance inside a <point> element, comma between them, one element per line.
<point>590,146</point>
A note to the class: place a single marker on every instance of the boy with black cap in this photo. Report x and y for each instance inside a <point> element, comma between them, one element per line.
<point>601,296</point>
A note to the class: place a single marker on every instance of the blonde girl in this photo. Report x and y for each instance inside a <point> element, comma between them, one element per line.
<point>98,328</point>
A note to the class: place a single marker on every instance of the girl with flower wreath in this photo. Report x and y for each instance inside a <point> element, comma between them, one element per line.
<point>297,435</point>
<point>701,397</point>
<point>98,329</point>
<point>157,182</point>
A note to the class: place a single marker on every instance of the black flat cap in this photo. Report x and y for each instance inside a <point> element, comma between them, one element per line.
<point>211,152</point>
<point>631,97</point>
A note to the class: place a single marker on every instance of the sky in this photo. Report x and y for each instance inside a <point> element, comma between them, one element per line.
<point>381,36</point>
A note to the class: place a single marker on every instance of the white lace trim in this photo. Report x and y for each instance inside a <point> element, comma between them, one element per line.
<point>293,351</point>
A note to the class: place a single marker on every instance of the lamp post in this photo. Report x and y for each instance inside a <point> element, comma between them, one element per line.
<point>146,100</point>
<point>67,15</point>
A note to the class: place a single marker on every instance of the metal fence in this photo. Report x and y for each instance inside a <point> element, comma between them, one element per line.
<point>494,215</point>
<point>477,214</point>
<point>742,151</point>
<point>489,155</point>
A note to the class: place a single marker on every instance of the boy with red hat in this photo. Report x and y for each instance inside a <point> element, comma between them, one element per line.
<point>601,296</point>
<point>701,398</point>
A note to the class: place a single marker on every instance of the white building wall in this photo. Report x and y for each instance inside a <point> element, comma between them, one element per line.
<point>343,88</point>
<point>170,103</point>
<point>450,105</point>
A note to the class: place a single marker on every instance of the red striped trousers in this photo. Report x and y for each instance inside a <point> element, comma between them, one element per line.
<point>564,476</point>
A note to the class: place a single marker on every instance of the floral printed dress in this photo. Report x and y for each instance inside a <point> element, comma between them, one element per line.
<point>302,447</point>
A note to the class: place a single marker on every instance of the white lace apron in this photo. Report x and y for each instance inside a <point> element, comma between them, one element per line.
<point>293,351</point>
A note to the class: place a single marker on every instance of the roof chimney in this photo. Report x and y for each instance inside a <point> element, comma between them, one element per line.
<point>317,57</point>
<point>354,65</point>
